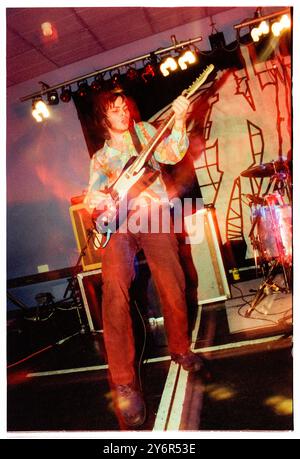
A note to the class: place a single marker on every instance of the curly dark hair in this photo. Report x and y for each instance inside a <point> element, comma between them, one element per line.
<point>103,101</point>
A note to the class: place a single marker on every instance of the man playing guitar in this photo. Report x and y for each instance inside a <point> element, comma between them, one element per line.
<point>160,248</point>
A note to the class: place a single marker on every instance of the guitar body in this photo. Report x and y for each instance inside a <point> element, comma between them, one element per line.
<point>108,219</point>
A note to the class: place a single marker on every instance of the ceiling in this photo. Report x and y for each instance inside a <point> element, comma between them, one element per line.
<point>80,33</point>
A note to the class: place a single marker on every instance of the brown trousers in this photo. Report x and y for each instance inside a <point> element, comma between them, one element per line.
<point>161,252</point>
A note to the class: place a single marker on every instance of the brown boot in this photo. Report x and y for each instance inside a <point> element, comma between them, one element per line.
<point>130,405</point>
<point>190,362</point>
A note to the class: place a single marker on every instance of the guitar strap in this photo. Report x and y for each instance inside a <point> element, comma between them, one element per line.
<point>150,165</point>
<point>138,147</point>
<point>135,140</point>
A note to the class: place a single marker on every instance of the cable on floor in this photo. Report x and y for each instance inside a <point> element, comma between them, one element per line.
<point>63,340</point>
<point>143,347</point>
<point>249,304</point>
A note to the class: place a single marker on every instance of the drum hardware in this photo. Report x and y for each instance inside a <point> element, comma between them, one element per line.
<point>271,230</point>
<point>267,170</point>
<point>280,182</point>
<point>254,199</point>
<point>279,174</point>
<point>267,287</point>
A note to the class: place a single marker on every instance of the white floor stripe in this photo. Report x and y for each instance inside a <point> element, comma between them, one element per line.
<point>163,412</point>
<point>66,371</point>
<point>239,344</point>
<point>171,404</point>
<point>178,401</point>
<point>209,349</point>
<point>180,390</point>
<point>93,368</point>
<point>196,327</point>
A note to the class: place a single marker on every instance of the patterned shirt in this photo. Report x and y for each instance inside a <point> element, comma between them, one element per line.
<point>108,162</point>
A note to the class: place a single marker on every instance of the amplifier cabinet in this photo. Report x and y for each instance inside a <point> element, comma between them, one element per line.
<point>87,239</point>
<point>143,292</point>
<point>206,258</point>
<point>90,284</point>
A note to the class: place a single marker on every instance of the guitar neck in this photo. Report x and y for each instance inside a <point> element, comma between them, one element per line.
<point>158,135</point>
<point>149,149</point>
<point>145,153</point>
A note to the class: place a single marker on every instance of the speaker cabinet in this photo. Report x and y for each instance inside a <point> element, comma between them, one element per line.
<point>87,239</point>
<point>202,259</point>
<point>142,291</point>
<point>90,284</point>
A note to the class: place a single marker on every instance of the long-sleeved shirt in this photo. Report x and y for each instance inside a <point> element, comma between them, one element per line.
<point>108,162</point>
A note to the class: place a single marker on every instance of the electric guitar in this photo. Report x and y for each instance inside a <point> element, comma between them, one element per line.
<point>137,174</point>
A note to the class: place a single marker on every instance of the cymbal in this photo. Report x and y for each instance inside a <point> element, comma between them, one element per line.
<point>266,170</point>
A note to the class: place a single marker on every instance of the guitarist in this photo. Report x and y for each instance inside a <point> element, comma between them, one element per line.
<point>122,139</point>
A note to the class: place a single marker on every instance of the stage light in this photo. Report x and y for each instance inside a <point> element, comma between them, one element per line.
<point>132,74</point>
<point>285,21</point>
<point>83,88</point>
<point>47,29</point>
<point>115,81</point>
<point>264,28</point>
<point>66,94</point>
<point>148,73</point>
<point>255,34</point>
<point>39,110</point>
<point>283,24</point>
<point>52,98</point>
<point>217,40</point>
<point>42,108</point>
<point>261,25</point>
<point>96,85</point>
<point>276,29</point>
<point>36,115</point>
<point>188,57</point>
<point>169,64</point>
<point>150,68</point>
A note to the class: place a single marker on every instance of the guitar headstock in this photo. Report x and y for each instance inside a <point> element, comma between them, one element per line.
<point>199,81</point>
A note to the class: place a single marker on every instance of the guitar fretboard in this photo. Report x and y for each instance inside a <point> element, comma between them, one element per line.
<point>145,153</point>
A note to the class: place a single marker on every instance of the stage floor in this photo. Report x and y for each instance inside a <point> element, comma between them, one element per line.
<point>62,386</point>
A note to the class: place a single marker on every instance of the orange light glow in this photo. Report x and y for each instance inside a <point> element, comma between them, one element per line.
<point>281,404</point>
<point>49,32</point>
<point>47,29</point>
<point>167,65</point>
<point>187,58</point>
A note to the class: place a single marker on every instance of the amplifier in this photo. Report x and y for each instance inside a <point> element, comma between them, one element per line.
<point>203,261</point>
<point>143,292</point>
<point>90,284</point>
<point>87,239</point>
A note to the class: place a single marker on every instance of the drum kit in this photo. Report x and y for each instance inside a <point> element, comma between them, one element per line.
<point>271,227</point>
